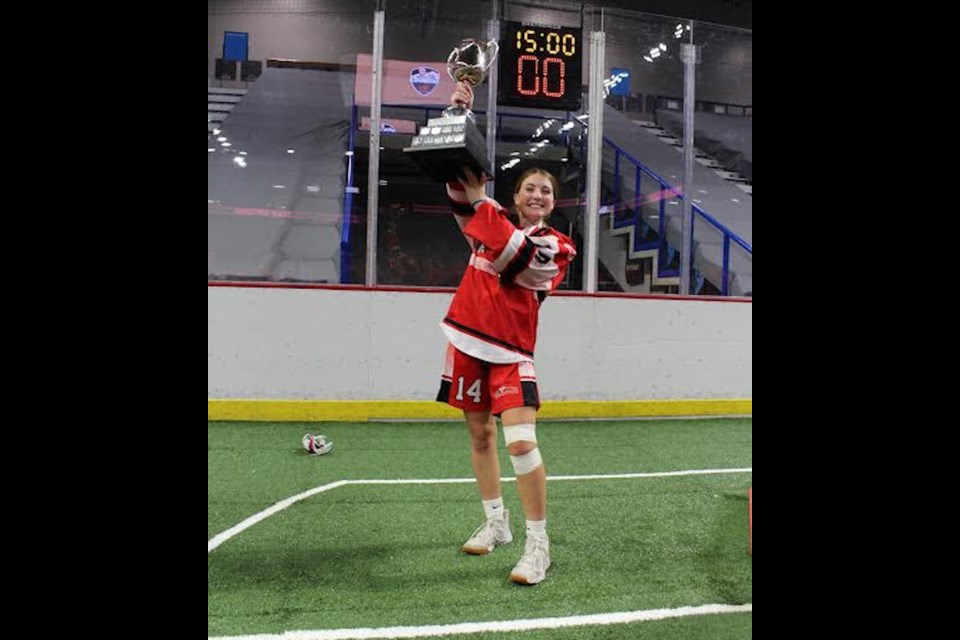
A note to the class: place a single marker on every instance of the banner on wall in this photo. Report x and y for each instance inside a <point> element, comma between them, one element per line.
<point>404,82</point>
<point>390,125</point>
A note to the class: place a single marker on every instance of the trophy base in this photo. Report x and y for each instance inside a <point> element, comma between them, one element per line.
<point>445,145</point>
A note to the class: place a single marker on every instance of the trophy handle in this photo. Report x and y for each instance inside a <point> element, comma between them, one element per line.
<point>496,49</point>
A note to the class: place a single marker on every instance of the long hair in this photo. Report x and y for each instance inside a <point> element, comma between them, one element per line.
<point>515,211</point>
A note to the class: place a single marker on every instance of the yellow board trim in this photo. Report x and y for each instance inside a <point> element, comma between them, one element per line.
<point>372,410</point>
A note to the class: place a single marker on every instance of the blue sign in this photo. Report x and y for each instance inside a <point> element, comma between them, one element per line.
<point>235,45</point>
<point>620,82</point>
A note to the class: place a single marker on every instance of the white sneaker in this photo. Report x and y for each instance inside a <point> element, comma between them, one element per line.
<point>316,445</point>
<point>533,566</point>
<point>492,533</point>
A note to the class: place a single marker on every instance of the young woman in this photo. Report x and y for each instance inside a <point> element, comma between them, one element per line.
<point>491,326</point>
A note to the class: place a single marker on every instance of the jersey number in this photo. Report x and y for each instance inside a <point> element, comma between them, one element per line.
<point>473,391</point>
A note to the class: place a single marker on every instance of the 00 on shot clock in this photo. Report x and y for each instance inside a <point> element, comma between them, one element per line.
<point>540,66</point>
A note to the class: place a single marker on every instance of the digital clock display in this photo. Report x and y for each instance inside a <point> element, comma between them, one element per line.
<point>540,66</point>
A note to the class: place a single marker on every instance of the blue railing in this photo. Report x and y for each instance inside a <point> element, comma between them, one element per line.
<point>665,191</point>
<point>348,203</point>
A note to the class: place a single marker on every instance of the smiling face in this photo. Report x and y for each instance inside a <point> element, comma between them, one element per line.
<point>535,197</point>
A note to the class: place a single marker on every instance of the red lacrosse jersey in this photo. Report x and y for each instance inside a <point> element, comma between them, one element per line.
<point>493,315</point>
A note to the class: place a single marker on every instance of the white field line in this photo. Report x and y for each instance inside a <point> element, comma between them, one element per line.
<point>499,625</point>
<point>223,536</point>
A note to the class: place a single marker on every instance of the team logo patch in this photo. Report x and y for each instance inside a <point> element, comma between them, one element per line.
<point>424,80</point>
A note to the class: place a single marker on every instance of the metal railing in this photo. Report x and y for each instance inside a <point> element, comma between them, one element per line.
<point>665,191</point>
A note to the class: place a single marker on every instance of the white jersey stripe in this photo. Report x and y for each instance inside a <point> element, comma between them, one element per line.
<point>517,239</point>
<point>483,264</point>
<point>486,351</point>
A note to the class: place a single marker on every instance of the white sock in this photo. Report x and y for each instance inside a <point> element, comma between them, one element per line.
<point>493,508</point>
<point>537,528</point>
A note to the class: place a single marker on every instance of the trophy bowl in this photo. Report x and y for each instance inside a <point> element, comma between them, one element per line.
<point>471,59</point>
<point>469,62</point>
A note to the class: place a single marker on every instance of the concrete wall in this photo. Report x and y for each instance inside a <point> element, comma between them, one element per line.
<point>323,344</point>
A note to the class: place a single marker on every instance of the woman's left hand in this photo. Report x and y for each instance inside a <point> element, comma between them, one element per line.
<point>473,184</point>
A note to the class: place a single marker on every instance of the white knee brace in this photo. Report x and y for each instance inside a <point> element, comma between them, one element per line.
<point>526,432</point>
<point>516,432</point>
<point>527,462</point>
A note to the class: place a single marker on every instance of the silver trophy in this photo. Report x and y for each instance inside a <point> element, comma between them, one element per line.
<point>448,143</point>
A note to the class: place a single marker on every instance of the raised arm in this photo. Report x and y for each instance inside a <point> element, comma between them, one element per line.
<point>488,224</point>
<point>462,96</point>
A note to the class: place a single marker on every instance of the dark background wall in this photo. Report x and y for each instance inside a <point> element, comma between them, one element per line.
<point>733,13</point>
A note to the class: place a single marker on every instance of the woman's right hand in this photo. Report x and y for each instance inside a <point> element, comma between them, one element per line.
<point>462,96</point>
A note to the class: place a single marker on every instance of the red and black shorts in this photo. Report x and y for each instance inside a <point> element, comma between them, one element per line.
<point>475,385</point>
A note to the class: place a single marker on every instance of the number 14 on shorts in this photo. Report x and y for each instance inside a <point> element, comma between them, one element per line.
<point>474,390</point>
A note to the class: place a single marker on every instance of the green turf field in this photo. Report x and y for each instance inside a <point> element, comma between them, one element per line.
<point>361,555</point>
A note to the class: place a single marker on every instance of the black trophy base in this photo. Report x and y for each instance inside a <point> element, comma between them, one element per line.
<point>445,145</point>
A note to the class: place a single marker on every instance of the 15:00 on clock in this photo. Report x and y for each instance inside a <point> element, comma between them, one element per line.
<point>540,66</point>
